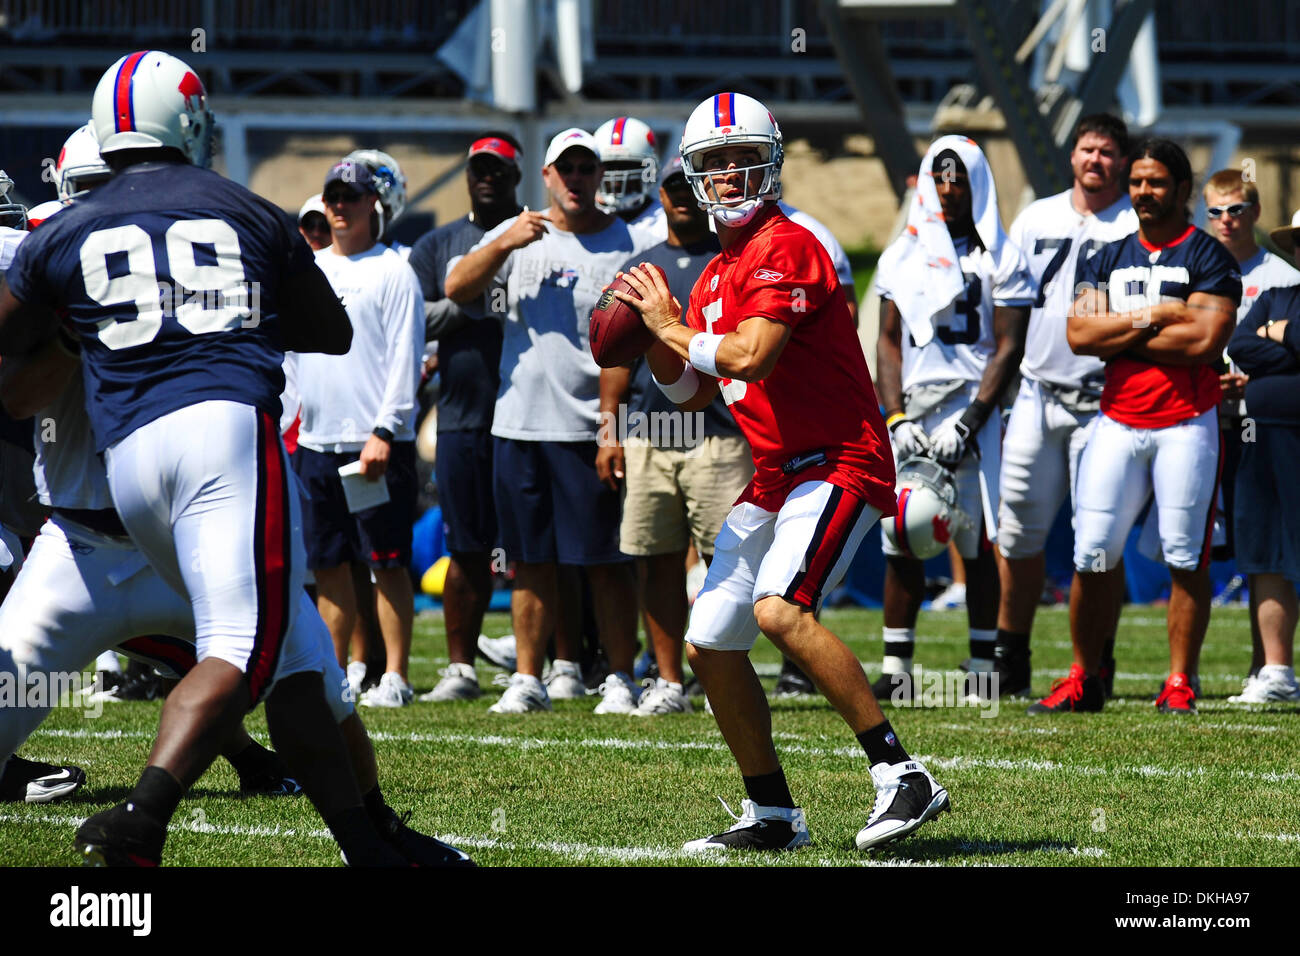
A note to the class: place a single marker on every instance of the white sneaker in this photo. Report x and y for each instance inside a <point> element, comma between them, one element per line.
<point>499,651</point>
<point>356,677</point>
<point>1275,683</point>
<point>391,691</point>
<point>661,697</point>
<point>459,682</point>
<point>950,598</point>
<point>564,682</point>
<point>906,796</point>
<point>757,828</point>
<point>619,695</point>
<point>525,694</point>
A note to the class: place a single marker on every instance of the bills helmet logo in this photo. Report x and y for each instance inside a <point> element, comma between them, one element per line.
<point>767,275</point>
<point>941,530</point>
<point>192,89</point>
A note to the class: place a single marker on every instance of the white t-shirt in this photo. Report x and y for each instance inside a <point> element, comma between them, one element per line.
<point>1261,272</point>
<point>653,220</point>
<point>839,258</point>
<point>9,239</point>
<point>344,397</point>
<point>550,384</point>
<point>1051,233</point>
<point>963,331</point>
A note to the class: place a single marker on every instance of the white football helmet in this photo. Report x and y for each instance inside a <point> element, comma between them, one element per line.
<point>151,99</point>
<point>730,119</point>
<point>80,167</point>
<point>42,211</point>
<point>12,213</point>
<point>389,182</point>
<point>628,145</point>
<point>928,514</point>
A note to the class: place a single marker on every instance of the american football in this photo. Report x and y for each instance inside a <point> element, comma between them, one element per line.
<point>617,334</point>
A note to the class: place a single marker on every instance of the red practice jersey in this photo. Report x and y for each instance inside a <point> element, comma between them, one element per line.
<point>819,398</point>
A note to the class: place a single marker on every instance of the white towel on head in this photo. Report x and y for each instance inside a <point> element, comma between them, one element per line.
<point>922,263</point>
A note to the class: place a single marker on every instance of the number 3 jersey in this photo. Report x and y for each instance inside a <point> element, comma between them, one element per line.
<point>963,330</point>
<point>815,416</point>
<point>1135,274</point>
<point>170,276</point>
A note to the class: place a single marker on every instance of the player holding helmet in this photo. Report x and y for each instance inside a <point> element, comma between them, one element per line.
<point>955,296</point>
<point>767,325</point>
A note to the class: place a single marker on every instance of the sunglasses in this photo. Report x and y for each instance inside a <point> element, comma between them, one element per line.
<point>337,196</point>
<point>584,169</point>
<point>1235,211</point>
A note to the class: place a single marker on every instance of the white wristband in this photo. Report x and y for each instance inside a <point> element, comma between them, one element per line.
<point>682,390</point>
<point>704,353</point>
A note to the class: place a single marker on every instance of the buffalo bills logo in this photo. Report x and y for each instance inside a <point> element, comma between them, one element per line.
<point>192,89</point>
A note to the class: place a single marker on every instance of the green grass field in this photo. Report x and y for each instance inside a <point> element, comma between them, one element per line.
<point>1126,787</point>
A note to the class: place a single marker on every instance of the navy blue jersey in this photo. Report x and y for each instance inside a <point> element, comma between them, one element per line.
<point>1135,274</point>
<point>1273,392</point>
<point>170,275</point>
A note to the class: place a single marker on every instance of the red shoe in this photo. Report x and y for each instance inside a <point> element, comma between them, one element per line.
<point>1075,692</point>
<point>1177,696</point>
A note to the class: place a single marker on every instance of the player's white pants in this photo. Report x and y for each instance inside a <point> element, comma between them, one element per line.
<point>1122,466</point>
<point>1040,465</point>
<point>799,553</point>
<point>81,592</point>
<point>976,475</point>
<point>205,493</point>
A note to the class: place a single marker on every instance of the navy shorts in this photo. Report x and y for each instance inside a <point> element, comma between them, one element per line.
<point>551,507</point>
<point>1267,521</point>
<point>463,471</point>
<point>379,537</point>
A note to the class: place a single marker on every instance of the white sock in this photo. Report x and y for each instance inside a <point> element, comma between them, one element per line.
<point>900,646</point>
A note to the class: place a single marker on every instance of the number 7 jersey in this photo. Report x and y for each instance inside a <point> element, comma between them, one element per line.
<point>170,277</point>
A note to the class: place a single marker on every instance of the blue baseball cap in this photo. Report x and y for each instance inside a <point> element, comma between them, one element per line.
<point>356,175</point>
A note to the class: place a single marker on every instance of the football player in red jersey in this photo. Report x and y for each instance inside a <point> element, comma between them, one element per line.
<point>769,327</point>
<point>1157,307</point>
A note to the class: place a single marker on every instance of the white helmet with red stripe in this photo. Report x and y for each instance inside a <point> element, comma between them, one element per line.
<point>928,514</point>
<point>732,119</point>
<point>80,167</point>
<point>150,99</point>
<point>42,211</point>
<point>627,151</point>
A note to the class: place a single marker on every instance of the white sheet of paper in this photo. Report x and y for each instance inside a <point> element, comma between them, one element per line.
<point>361,493</point>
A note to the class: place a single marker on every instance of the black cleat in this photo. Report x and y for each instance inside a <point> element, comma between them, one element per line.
<point>29,781</point>
<point>122,836</point>
<point>1013,672</point>
<point>906,796</point>
<point>793,682</point>
<point>893,688</point>
<point>757,828</point>
<point>417,848</point>
<point>1106,673</point>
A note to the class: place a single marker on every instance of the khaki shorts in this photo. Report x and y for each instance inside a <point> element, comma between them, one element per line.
<point>674,497</point>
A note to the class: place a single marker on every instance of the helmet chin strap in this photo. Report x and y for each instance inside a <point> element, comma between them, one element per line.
<point>739,215</point>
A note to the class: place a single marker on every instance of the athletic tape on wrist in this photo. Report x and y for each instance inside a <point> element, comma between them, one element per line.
<point>682,390</point>
<point>704,353</point>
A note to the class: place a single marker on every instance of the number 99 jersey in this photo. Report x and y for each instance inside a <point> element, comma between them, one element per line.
<point>170,277</point>
<point>963,330</point>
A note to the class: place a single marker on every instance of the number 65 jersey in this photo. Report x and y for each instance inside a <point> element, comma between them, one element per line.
<point>170,276</point>
<point>963,330</point>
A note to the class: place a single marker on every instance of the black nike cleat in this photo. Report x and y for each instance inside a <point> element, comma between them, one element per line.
<point>757,828</point>
<point>906,796</point>
<point>29,781</point>
<point>417,848</point>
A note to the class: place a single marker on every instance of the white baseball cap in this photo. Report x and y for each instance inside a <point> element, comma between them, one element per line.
<point>1284,236</point>
<point>569,138</point>
<point>314,204</point>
